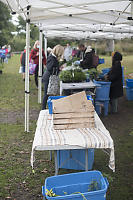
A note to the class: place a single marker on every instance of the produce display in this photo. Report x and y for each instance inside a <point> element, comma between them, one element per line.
<point>72,75</point>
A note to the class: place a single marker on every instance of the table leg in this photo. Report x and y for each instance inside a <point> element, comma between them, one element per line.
<point>50,155</point>
<point>86,159</point>
<point>56,162</point>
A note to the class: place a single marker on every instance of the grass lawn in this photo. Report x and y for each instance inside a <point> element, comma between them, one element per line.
<point>17,180</point>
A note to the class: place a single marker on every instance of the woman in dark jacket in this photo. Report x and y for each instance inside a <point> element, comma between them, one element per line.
<point>86,63</point>
<point>115,76</point>
<point>52,67</point>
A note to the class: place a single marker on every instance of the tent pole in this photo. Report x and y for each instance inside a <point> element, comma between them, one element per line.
<point>132,9</point>
<point>40,69</point>
<point>27,74</point>
<point>113,45</point>
<point>45,46</point>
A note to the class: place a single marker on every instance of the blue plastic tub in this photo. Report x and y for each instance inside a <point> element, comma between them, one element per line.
<point>77,186</point>
<point>102,90</point>
<point>99,105</point>
<point>129,83</point>
<point>129,93</point>
<point>50,98</point>
<point>75,159</point>
<point>49,102</point>
<point>105,70</point>
<point>101,61</point>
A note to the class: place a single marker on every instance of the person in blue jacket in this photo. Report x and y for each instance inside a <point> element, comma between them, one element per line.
<point>52,67</point>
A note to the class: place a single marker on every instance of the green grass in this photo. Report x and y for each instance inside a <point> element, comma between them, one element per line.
<point>17,181</point>
<point>127,62</point>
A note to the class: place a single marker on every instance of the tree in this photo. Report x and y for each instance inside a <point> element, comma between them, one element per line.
<point>6,26</point>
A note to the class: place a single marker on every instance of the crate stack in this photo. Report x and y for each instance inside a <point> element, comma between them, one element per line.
<point>73,111</point>
<point>129,89</point>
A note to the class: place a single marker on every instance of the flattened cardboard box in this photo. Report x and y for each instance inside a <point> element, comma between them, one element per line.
<point>74,111</point>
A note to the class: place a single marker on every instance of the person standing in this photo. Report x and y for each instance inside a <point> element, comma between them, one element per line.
<point>23,60</point>
<point>86,63</point>
<point>52,67</point>
<point>34,55</point>
<point>68,53</point>
<point>115,76</point>
<point>81,51</point>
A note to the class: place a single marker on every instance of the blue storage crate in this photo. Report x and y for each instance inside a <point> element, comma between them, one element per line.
<point>129,83</point>
<point>99,105</point>
<point>102,90</point>
<point>129,93</point>
<point>101,61</point>
<point>50,98</point>
<point>49,102</point>
<point>105,70</point>
<point>76,186</point>
<point>75,159</point>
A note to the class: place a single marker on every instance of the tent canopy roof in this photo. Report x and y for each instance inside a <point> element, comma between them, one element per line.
<point>87,15</point>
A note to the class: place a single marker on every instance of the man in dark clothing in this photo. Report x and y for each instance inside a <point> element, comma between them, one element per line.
<point>86,63</point>
<point>115,76</point>
<point>81,51</point>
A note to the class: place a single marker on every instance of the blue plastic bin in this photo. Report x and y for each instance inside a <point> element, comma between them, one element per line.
<point>129,83</point>
<point>99,105</point>
<point>50,98</point>
<point>75,186</point>
<point>105,70</point>
<point>49,102</point>
<point>75,159</point>
<point>129,93</point>
<point>102,90</point>
<point>101,61</point>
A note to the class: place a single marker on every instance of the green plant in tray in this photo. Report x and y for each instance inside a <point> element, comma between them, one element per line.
<point>72,76</point>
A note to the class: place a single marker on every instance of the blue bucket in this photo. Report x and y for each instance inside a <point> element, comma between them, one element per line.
<point>102,90</point>
<point>105,70</point>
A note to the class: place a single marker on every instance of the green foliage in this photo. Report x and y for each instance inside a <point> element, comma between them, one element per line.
<point>72,76</point>
<point>4,16</point>
<point>50,193</point>
<point>93,73</point>
<point>18,43</point>
<point>69,63</point>
<point>22,24</point>
<point>66,76</point>
<point>93,186</point>
<point>55,41</point>
<point>6,26</point>
<point>79,76</point>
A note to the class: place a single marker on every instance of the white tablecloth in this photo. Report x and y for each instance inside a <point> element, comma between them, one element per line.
<point>72,86</point>
<point>46,138</point>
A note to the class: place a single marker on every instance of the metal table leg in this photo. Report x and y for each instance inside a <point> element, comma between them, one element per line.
<point>56,162</point>
<point>50,155</point>
<point>86,159</point>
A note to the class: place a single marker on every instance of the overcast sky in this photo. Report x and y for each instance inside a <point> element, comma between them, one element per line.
<point>15,19</point>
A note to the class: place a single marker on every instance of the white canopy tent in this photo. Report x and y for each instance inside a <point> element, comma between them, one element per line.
<point>93,16</point>
<point>86,35</point>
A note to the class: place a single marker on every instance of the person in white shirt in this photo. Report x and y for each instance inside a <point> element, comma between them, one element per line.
<point>68,53</point>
